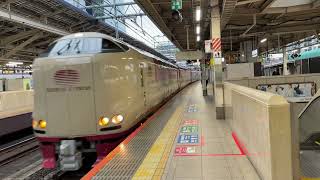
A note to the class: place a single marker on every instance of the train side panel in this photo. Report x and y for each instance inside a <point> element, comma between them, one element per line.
<point>118,89</point>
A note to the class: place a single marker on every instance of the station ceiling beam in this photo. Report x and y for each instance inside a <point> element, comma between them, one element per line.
<point>246,2</point>
<point>121,16</point>
<point>280,10</point>
<point>228,7</point>
<point>25,50</point>
<point>22,45</point>
<point>11,16</point>
<point>109,5</point>
<point>5,3</point>
<point>316,4</point>
<point>153,14</point>
<point>266,5</point>
<point>6,30</point>
<point>17,37</point>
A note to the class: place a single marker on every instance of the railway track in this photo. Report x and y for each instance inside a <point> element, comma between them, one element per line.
<point>15,151</point>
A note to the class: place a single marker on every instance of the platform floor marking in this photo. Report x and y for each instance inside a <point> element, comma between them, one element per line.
<point>307,178</point>
<point>114,152</point>
<point>154,163</point>
<point>240,146</point>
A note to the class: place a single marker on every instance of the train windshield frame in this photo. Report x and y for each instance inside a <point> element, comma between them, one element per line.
<point>82,45</point>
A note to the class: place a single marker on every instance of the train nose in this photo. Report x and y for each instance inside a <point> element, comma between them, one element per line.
<point>69,97</point>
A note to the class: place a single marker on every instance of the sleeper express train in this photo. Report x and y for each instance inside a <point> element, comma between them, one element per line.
<point>91,90</point>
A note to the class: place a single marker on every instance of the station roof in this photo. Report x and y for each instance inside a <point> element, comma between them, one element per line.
<point>27,27</point>
<point>160,12</point>
<point>286,20</point>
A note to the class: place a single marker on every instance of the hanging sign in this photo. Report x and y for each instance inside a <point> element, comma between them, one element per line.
<point>255,53</point>
<point>176,4</point>
<point>189,55</point>
<point>207,46</point>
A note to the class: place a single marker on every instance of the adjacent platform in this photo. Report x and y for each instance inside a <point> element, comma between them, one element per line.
<point>183,140</point>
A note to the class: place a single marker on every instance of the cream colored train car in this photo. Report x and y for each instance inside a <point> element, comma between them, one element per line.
<point>91,90</point>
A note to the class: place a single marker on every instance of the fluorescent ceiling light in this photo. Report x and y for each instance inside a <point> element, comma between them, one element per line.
<point>15,63</point>
<point>198,29</point>
<point>198,38</point>
<point>198,13</point>
<point>263,40</point>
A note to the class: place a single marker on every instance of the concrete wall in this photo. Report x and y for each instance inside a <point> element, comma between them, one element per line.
<point>261,121</point>
<point>17,84</point>
<point>15,102</point>
<point>255,81</point>
<point>295,109</point>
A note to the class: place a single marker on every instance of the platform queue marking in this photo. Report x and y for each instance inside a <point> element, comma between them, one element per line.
<point>155,161</point>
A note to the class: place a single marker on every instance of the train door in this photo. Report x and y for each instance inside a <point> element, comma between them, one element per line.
<point>142,67</point>
<point>179,79</point>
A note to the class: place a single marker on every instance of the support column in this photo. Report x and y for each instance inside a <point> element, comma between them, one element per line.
<point>217,69</point>
<point>285,61</point>
<point>204,77</point>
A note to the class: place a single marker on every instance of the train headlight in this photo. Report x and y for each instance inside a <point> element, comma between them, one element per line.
<point>103,121</point>
<point>34,124</point>
<point>117,119</point>
<point>42,124</point>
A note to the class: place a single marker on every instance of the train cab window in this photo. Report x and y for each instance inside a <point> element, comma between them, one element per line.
<point>109,46</point>
<point>89,45</point>
<point>66,47</point>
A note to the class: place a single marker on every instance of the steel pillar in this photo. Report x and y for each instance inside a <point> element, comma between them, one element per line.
<point>285,61</point>
<point>217,68</point>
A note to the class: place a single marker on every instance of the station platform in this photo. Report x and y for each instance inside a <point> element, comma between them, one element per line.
<point>182,140</point>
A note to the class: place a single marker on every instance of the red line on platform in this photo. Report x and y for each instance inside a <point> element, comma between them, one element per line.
<point>235,138</point>
<point>217,155</point>
<point>202,140</point>
<point>238,143</point>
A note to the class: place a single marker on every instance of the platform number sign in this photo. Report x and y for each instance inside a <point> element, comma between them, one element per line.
<point>176,4</point>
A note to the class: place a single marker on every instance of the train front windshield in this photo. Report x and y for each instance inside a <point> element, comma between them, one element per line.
<point>67,47</point>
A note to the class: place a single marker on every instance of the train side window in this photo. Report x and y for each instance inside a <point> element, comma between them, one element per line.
<point>109,46</point>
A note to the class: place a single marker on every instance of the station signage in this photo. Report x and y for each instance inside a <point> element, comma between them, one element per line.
<point>176,4</point>
<point>207,46</point>
<point>185,150</point>
<point>188,139</point>
<point>189,129</point>
<point>189,55</point>
<point>213,46</point>
<point>255,53</point>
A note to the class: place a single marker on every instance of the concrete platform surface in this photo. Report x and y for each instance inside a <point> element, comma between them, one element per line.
<point>182,140</point>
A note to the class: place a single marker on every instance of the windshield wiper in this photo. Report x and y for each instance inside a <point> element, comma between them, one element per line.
<point>77,46</point>
<point>68,45</point>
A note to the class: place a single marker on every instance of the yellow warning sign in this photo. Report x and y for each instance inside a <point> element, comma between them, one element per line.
<point>212,61</point>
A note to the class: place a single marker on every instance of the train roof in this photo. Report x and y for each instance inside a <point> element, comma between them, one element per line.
<point>101,35</point>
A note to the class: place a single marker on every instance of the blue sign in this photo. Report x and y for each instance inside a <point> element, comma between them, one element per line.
<point>188,139</point>
<point>192,108</point>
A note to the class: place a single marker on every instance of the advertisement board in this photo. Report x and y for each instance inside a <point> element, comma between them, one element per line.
<point>293,92</point>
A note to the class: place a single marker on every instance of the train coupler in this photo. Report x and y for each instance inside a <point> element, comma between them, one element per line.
<point>70,157</point>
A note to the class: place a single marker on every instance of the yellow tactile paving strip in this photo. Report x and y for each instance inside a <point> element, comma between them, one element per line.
<point>155,161</point>
<point>307,178</point>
